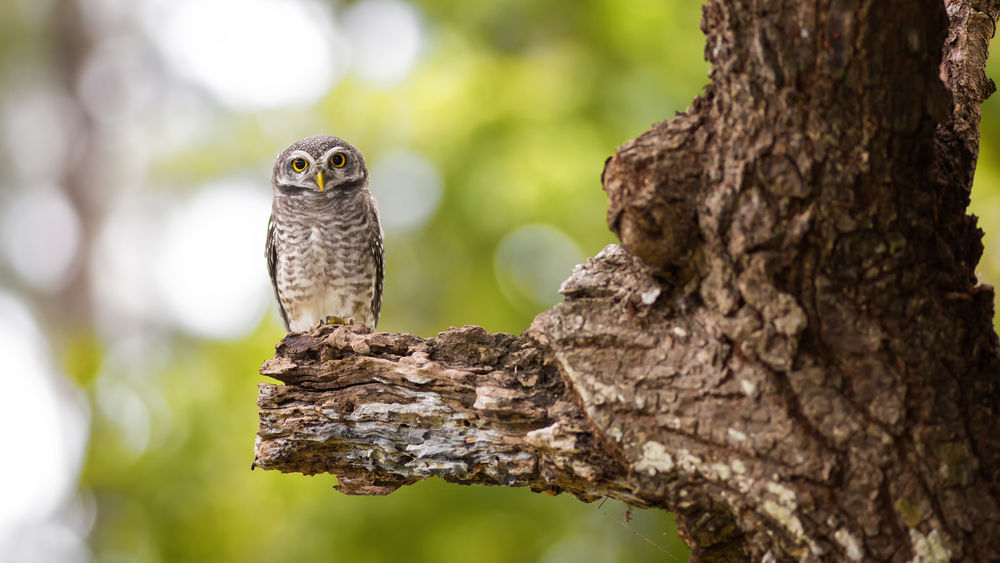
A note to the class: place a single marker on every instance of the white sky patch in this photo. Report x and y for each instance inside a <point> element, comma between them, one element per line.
<point>40,237</point>
<point>122,262</point>
<point>41,474</point>
<point>408,190</point>
<point>46,542</point>
<point>386,38</point>
<point>210,270</point>
<point>250,54</point>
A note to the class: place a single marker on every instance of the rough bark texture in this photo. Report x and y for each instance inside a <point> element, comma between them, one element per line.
<point>384,410</point>
<point>791,351</point>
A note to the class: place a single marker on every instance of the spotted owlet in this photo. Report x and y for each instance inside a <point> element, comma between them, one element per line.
<point>324,241</point>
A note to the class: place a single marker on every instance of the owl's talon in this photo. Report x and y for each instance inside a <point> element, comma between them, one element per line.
<point>332,320</point>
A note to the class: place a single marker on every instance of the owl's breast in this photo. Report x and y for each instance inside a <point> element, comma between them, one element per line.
<point>324,270</point>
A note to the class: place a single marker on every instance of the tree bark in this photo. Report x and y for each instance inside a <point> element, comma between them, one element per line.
<point>790,349</point>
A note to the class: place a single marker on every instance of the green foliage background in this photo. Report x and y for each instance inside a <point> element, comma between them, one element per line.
<point>517,103</point>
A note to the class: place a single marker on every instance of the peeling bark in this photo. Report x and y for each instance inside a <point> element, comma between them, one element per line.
<point>384,410</point>
<point>790,348</point>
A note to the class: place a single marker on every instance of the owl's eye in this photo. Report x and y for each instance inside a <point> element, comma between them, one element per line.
<point>299,164</point>
<point>338,160</point>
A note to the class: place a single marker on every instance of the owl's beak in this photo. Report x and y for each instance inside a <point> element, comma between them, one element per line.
<point>319,180</point>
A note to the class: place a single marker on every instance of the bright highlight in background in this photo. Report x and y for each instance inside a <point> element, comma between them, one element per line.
<point>211,270</point>
<point>40,236</point>
<point>408,189</point>
<point>531,262</point>
<point>386,38</point>
<point>33,115</point>
<point>38,475</point>
<point>251,54</point>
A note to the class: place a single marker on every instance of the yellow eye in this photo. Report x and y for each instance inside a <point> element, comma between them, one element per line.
<point>338,160</point>
<point>299,164</point>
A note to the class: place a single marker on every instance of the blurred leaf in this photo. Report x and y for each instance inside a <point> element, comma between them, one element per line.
<point>82,357</point>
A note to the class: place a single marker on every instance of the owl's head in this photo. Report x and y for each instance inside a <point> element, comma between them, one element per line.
<point>321,164</point>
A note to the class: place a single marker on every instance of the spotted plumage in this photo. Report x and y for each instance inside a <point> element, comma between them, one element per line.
<point>324,241</point>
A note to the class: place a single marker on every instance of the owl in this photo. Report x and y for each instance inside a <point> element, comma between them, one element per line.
<point>324,240</point>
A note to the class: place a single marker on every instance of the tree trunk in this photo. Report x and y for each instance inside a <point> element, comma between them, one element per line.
<point>790,350</point>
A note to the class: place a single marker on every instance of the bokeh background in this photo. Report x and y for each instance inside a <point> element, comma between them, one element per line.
<point>136,142</point>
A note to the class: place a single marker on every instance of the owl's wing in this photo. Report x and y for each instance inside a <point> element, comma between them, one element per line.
<point>378,254</point>
<point>271,253</point>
